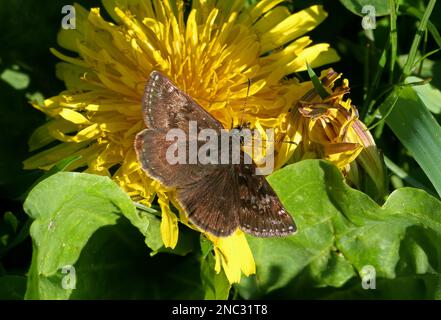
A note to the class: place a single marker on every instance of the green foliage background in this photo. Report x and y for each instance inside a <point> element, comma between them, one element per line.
<point>87,221</point>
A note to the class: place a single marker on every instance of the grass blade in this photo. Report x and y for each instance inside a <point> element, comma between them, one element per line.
<point>369,100</point>
<point>417,129</point>
<point>417,39</point>
<point>393,38</point>
<point>411,11</point>
<point>404,175</point>
<point>318,86</point>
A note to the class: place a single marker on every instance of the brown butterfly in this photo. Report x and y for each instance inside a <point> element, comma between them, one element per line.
<point>218,198</point>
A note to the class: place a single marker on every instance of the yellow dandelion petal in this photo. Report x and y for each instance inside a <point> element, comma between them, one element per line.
<point>169,223</point>
<point>46,133</point>
<point>292,27</point>
<point>73,76</point>
<point>341,154</point>
<point>234,255</point>
<point>73,116</point>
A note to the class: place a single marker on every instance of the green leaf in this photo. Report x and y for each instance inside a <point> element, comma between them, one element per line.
<point>62,165</point>
<point>417,129</point>
<point>355,6</point>
<point>425,69</point>
<point>318,86</point>
<point>16,79</point>
<point>340,231</point>
<point>11,220</point>
<point>10,235</point>
<point>412,57</point>
<point>429,95</point>
<point>86,222</point>
<point>410,287</point>
<point>393,37</point>
<point>216,285</point>
<point>400,173</point>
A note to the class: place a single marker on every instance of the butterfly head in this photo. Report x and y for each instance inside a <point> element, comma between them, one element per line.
<point>239,130</point>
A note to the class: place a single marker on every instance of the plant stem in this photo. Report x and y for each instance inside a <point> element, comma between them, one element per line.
<point>410,62</point>
<point>393,38</point>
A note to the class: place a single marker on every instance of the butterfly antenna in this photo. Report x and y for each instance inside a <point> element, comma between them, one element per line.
<point>282,141</point>
<point>242,111</point>
<point>248,92</point>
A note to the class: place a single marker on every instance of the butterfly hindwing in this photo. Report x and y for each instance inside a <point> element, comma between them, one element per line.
<point>261,212</point>
<point>211,203</point>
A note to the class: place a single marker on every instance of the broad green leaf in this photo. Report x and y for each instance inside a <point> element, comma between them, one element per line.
<point>407,287</point>
<point>429,95</point>
<point>417,130</point>
<point>425,69</point>
<point>356,6</point>
<point>86,222</point>
<point>62,165</point>
<point>340,231</point>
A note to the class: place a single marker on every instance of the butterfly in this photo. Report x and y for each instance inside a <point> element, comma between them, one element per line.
<point>217,198</point>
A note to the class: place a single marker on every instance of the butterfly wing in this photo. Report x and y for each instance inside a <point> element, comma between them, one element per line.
<point>217,198</point>
<point>166,106</point>
<point>234,196</point>
<point>261,212</point>
<point>151,148</point>
<point>212,203</point>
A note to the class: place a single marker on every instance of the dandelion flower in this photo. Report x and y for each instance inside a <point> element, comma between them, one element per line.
<point>329,129</point>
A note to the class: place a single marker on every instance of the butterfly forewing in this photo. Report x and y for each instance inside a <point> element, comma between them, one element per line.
<point>218,198</point>
<point>151,147</point>
<point>164,106</point>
